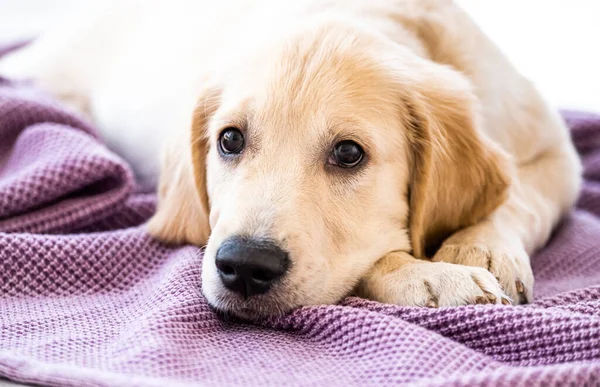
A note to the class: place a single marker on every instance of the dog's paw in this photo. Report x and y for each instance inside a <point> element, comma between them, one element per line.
<point>507,261</point>
<point>438,284</point>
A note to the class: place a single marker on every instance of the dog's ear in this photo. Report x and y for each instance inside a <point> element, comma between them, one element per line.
<point>182,215</point>
<point>458,175</point>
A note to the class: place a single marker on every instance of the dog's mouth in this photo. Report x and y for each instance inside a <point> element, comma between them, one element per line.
<point>229,304</point>
<point>244,313</point>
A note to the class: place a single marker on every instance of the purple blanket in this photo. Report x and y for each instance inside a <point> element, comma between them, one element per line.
<point>88,299</point>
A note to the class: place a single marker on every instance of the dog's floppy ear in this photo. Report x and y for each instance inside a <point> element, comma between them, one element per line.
<point>458,176</point>
<point>182,214</point>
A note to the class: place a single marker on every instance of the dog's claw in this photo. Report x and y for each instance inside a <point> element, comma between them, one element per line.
<point>431,304</point>
<point>520,287</point>
<point>506,301</point>
<point>490,297</point>
<point>481,300</point>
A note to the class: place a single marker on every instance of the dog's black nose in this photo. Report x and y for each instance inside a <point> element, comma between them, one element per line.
<point>250,266</point>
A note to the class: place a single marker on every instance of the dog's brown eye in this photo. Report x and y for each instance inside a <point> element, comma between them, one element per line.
<point>346,154</point>
<point>231,141</point>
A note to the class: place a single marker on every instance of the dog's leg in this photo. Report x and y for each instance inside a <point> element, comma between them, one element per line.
<point>401,279</point>
<point>546,187</point>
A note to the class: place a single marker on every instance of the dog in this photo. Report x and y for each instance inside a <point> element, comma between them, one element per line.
<point>321,148</point>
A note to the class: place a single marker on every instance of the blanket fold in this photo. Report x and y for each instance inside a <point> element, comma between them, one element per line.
<point>87,298</point>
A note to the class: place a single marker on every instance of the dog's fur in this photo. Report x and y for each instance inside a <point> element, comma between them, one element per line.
<point>467,169</point>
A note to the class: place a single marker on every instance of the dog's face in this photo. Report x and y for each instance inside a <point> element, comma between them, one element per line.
<point>315,159</point>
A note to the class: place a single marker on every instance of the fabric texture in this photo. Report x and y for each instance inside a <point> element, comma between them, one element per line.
<point>87,298</point>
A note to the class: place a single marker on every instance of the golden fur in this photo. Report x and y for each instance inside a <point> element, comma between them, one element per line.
<point>467,170</point>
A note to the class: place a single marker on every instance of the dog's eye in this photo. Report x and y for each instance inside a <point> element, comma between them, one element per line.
<point>231,141</point>
<point>346,154</point>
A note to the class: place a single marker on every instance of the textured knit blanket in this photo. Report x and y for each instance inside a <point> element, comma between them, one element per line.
<point>87,298</point>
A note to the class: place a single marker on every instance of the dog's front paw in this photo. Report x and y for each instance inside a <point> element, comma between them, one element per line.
<point>506,260</point>
<point>434,284</point>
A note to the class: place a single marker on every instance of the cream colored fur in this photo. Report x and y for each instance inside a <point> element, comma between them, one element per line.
<point>467,169</point>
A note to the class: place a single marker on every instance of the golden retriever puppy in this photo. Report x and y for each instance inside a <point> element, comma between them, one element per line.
<point>320,148</point>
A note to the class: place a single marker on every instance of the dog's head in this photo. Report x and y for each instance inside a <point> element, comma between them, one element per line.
<point>310,161</point>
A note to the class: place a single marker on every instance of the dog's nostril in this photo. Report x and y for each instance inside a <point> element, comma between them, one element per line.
<point>226,269</point>
<point>263,275</point>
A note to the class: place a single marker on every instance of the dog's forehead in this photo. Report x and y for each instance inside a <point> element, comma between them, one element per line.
<point>308,72</point>
<point>315,91</point>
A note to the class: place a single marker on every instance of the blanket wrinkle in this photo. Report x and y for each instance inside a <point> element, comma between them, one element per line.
<point>87,298</point>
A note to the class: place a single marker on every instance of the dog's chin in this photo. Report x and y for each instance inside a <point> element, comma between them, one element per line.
<point>228,304</point>
<point>246,313</point>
